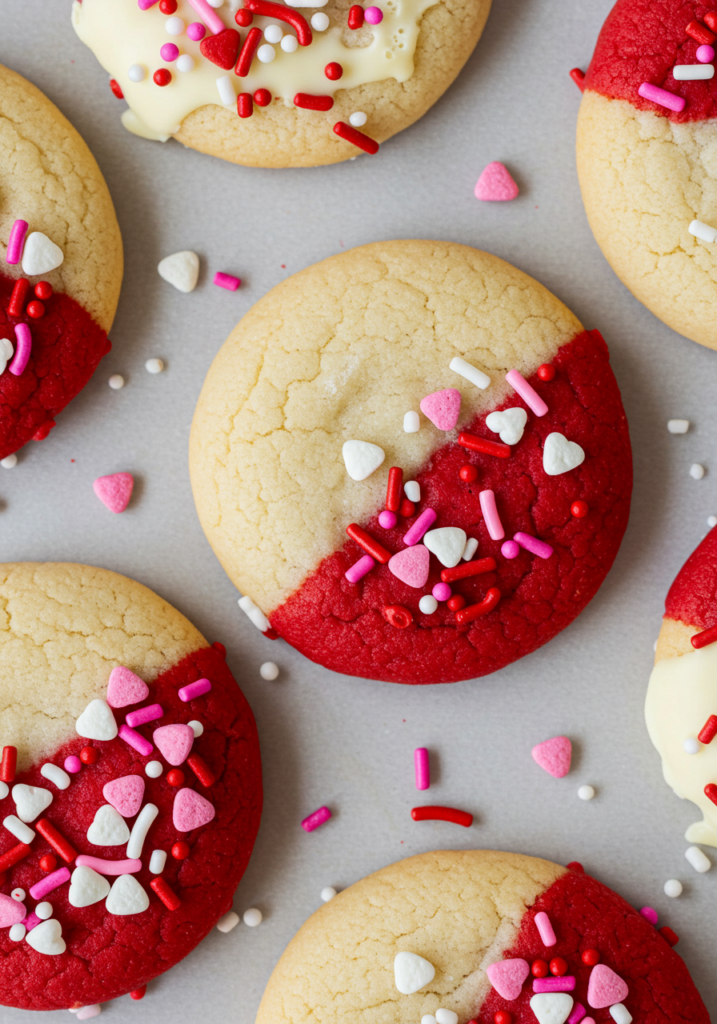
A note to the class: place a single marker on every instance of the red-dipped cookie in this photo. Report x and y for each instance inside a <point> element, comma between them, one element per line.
<point>61,264</point>
<point>681,705</point>
<point>130,786</point>
<point>645,157</point>
<point>483,937</point>
<point>413,461</point>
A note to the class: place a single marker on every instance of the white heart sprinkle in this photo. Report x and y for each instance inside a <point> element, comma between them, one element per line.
<point>97,721</point>
<point>412,972</point>
<point>552,1007</point>
<point>40,255</point>
<point>362,458</point>
<point>109,828</point>
<point>509,424</point>
<point>30,801</point>
<point>561,455</point>
<point>47,938</point>
<point>181,269</point>
<point>447,544</point>
<point>126,897</point>
<point>87,887</point>
<point>6,352</point>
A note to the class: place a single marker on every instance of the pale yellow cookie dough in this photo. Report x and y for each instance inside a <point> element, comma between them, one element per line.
<point>49,178</point>
<point>63,628</point>
<point>458,910</point>
<point>342,350</point>
<point>643,180</point>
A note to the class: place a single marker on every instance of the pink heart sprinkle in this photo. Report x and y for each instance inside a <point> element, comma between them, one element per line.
<point>507,977</point>
<point>411,566</point>
<point>174,742</point>
<point>11,911</point>
<point>496,184</point>
<point>605,988</point>
<point>191,811</point>
<point>114,490</point>
<point>125,794</point>
<point>442,408</point>
<point>124,687</point>
<point>554,756</point>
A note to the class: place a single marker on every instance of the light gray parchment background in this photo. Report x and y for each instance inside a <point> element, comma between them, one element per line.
<point>327,738</point>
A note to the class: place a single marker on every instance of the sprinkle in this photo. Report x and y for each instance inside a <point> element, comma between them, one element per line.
<point>55,775</point>
<point>358,119</point>
<point>529,395</point>
<point>213,22</point>
<point>711,792</point>
<point>554,756</point>
<point>57,841</point>
<point>328,893</point>
<point>136,72</point>
<point>364,565</point>
<point>246,54</point>
<point>149,714</point>
<point>650,914</point>
<point>397,615</point>
<point>690,745</point>
<point>255,615</point>
<point>356,16</point>
<point>507,976</point>
<point>169,52</point>
<point>72,764</point>
<point>563,984</point>
<point>228,922</point>
<point>31,921</point>
<point>162,77</point>
<point>407,509</point>
<point>166,894</point>
<point>620,1014</point>
<point>8,764</point>
<point>48,862</point>
<point>678,426</point>
<point>546,371</point>
<point>421,525</point>
<point>411,422</point>
<point>705,54</point>
<point>320,22</point>
<point>22,349</point>
<point>483,445</point>
<point>470,549</point>
<point>699,640</point>
<point>289,44</point>
<point>446,1016</point>
<point>317,818</point>
<point>532,544</point>
<point>140,744</point>
<point>174,26</point>
<point>586,792</point>
<point>661,97</point>
<point>711,521</point>
<point>579,509</point>
<point>196,31</point>
<point>18,895</point>
<point>387,519</point>
<point>308,101</point>
<point>462,572</point>
<point>673,888</point>
<point>269,670</point>
<point>373,15</point>
<point>355,137</point>
<point>15,242</point>
<point>202,770</point>
<point>225,88</point>
<point>193,690</point>
<point>266,53</point>
<point>422,768</point>
<point>490,515</point>
<point>185,63</point>
<point>578,1013</point>
<point>17,932</point>
<point>509,424</point>
<point>245,103</point>
<point>108,867</point>
<point>412,490</point>
<point>709,730</point>
<point>22,832</point>
<point>369,545</point>
<point>228,281</point>
<point>411,566</point>
<point>433,812</point>
<point>17,299</point>
<point>44,910</point>
<point>157,861</point>
<point>252,917</point>
<point>393,489</point>
<point>670,937</point>
<point>442,408</point>
<point>273,34</point>
<point>427,604</point>
<point>140,829</point>
<point>696,470</point>
<point>87,1012</point>
<point>262,97</point>
<point>114,490</point>
<point>153,769</point>
<point>496,184</point>
<point>510,549</point>
<point>699,860</point>
<point>13,856</point>
<point>50,883</point>
<point>700,33</point>
<point>441,591</point>
<point>692,72</point>
<point>703,231</point>
<point>116,382</point>
<point>545,929</point>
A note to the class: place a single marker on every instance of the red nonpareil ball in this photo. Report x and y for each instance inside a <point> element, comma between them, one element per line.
<point>407,508</point>
<point>468,474</point>
<point>539,969</point>
<point>456,602</point>
<point>558,966</point>
<point>88,755</point>
<point>43,290</point>
<point>503,1017</point>
<point>175,777</point>
<point>333,71</point>
<point>35,309</point>
<point>48,862</point>
<point>180,850</point>
<point>243,18</point>
<point>262,97</point>
<point>162,77</point>
<point>579,509</point>
<point>546,371</point>
<point>168,6</point>
<point>138,993</point>
<point>590,957</point>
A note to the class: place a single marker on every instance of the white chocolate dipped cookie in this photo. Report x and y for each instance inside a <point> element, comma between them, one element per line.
<point>274,84</point>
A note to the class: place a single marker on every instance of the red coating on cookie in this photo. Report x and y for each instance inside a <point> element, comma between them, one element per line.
<point>340,624</point>
<point>641,41</point>
<point>692,598</point>
<point>67,345</point>
<point>586,914</point>
<point>108,956</point>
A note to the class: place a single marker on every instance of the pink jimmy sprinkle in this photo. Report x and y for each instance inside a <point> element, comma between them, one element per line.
<point>144,5</point>
<point>192,690</point>
<point>15,241</point>
<point>148,714</point>
<point>359,569</point>
<point>108,867</point>
<point>317,818</point>
<point>650,915</point>
<point>490,514</point>
<point>529,395</point>
<point>426,519</point>
<point>532,544</point>
<point>545,929</point>
<point>577,1014</point>
<point>423,768</point>
<point>53,881</point>
<point>31,921</point>
<point>662,97</point>
<point>140,744</point>
<point>564,984</point>
<point>22,350</point>
<point>210,17</point>
<point>227,281</point>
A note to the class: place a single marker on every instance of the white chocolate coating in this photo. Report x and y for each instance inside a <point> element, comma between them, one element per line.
<point>121,35</point>
<point>680,698</point>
